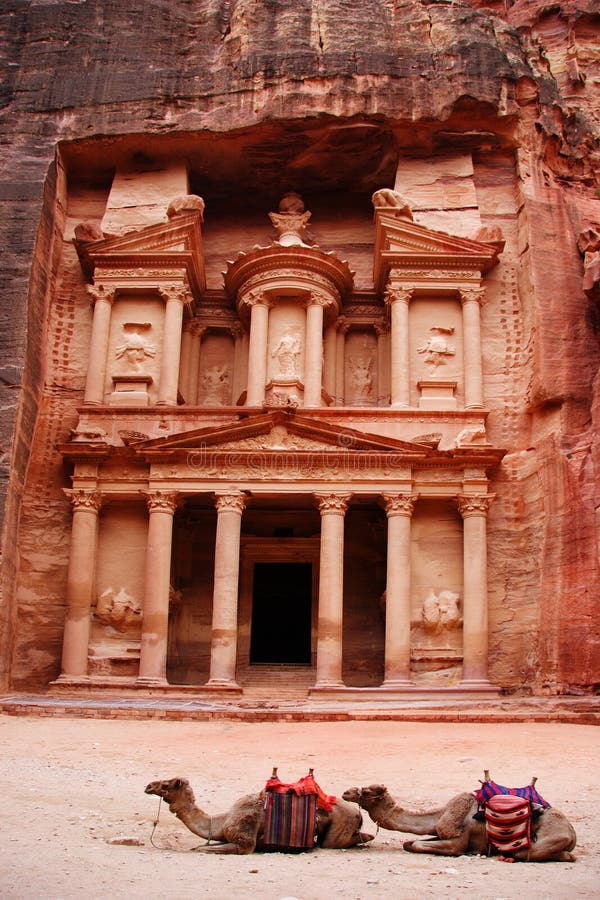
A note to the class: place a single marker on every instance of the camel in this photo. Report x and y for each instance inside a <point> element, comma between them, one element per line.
<point>457,832</point>
<point>240,829</point>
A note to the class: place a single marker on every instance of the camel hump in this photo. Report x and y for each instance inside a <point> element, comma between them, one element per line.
<point>454,817</point>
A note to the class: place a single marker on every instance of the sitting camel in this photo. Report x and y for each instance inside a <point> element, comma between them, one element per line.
<point>240,829</point>
<point>457,832</point>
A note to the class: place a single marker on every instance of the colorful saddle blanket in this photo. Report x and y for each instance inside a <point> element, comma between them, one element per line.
<point>508,823</point>
<point>291,814</point>
<point>490,789</point>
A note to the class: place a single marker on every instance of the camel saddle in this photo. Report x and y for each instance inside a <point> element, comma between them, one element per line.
<point>291,813</point>
<point>508,823</point>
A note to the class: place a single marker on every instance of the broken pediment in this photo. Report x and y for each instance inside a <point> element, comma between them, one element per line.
<point>422,257</point>
<point>281,431</point>
<point>167,250</point>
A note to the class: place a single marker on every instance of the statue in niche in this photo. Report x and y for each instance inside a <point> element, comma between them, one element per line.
<point>136,348</point>
<point>386,198</point>
<point>361,376</point>
<point>215,382</point>
<point>287,353</point>
<point>441,611</point>
<point>119,610</point>
<point>436,347</point>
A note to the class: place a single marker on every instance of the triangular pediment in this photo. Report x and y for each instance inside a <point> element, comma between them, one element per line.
<point>401,243</point>
<point>176,242</point>
<point>280,431</point>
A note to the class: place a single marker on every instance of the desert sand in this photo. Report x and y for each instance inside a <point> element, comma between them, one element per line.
<point>71,786</point>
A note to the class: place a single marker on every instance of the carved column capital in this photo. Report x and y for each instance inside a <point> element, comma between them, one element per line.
<point>257,298</point>
<point>236,331</point>
<point>99,292</point>
<point>319,298</point>
<point>398,504</point>
<point>197,329</point>
<point>342,325</point>
<point>473,294</point>
<point>474,504</point>
<point>88,499</point>
<point>230,501</point>
<point>175,293</point>
<point>398,295</point>
<point>333,503</point>
<point>161,501</point>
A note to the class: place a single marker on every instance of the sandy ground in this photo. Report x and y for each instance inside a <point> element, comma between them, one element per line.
<point>69,786</point>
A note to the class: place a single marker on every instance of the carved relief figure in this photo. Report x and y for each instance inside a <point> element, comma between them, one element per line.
<point>136,347</point>
<point>441,611</point>
<point>215,382</point>
<point>436,347</point>
<point>361,376</point>
<point>287,353</point>
<point>119,610</point>
<point>386,198</point>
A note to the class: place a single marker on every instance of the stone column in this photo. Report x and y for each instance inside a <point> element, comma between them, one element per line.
<point>398,300</point>
<point>331,589</point>
<point>184,369</point>
<point>399,509</point>
<point>81,576</point>
<point>313,359</point>
<point>471,311</point>
<point>340,361</point>
<point>329,360</point>
<point>96,373</point>
<point>237,379</point>
<point>155,613</point>
<point>171,346</point>
<point>382,331</point>
<point>223,650</point>
<point>257,352</point>
<point>473,509</point>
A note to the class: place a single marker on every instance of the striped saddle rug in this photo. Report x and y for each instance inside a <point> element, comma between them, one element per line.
<point>508,823</point>
<point>291,814</point>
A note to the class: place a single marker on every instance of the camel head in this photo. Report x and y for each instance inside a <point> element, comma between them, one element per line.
<point>171,789</point>
<point>365,796</point>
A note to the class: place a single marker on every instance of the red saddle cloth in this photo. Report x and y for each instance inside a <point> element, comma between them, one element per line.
<point>291,814</point>
<point>508,823</point>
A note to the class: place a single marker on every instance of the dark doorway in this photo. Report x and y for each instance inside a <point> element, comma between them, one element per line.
<point>281,613</point>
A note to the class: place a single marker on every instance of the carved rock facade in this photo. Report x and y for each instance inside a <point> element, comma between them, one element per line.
<point>290,359</point>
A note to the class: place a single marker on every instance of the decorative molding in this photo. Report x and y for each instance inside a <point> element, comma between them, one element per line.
<point>333,503</point>
<point>89,500</point>
<point>399,504</point>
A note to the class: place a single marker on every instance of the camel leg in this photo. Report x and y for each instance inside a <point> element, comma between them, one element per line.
<point>224,848</point>
<point>451,847</point>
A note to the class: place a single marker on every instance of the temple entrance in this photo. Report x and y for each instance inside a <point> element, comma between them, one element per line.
<point>281,613</point>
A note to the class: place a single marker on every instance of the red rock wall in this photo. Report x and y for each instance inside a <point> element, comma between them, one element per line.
<point>513,84</point>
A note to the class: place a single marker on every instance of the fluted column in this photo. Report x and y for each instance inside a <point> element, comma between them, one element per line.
<point>81,575</point>
<point>96,373</point>
<point>331,589</point>
<point>471,312</point>
<point>223,650</point>
<point>340,361</point>
<point>155,612</point>
<point>175,298</point>
<point>398,300</point>
<point>257,351</point>
<point>313,361</point>
<point>382,331</point>
<point>399,509</point>
<point>474,509</point>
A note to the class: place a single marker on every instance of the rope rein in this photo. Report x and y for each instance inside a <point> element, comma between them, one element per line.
<point>175,849</point>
